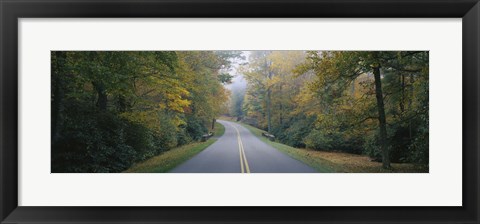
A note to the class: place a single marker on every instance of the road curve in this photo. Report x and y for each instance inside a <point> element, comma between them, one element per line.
<point>239,151</point>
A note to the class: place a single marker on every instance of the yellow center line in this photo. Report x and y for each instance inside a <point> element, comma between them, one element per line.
<point>244,157</point>
<point>241,151</point>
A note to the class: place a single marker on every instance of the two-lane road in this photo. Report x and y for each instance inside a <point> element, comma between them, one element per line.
<point>239,151</point>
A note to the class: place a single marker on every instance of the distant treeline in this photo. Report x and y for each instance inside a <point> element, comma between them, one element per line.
<point>373,103</point>
<point>111,109</point>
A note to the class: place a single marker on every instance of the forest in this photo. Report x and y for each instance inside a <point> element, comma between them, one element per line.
<point>111,110</point>
<point>373,103</point>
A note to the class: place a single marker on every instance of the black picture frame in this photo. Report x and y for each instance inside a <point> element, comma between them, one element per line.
<point>11,11</point>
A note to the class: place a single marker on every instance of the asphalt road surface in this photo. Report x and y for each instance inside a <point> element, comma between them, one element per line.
<point>239,151</point>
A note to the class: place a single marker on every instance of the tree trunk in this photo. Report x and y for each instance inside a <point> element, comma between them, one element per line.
<point>402,101</point>
<point>281,108</point>
<point>58,95</point>
<point>268,100</point>
<point>269,117</point>
<point>102,96</point>
<point>213,123</point>
<point>352,90</point>
<point>412,80</point>
<point>381,118</point>
<point>121,104</point>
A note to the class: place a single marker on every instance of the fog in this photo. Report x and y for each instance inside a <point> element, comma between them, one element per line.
<point>238,81</point>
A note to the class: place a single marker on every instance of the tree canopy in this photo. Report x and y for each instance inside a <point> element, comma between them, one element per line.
<point>113,108</point>
<point>365,102</point>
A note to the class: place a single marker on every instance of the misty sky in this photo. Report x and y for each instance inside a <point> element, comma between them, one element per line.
<point>238,82</point>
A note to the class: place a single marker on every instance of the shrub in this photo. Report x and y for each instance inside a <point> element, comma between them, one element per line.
<point>333,141</point>
<point>141,139</point>
<point>182,136</point>
<point>319,140</point>
<point>371,147</point>
<point>195,127</point>
<point>165,137</point>
<point>402,148</point>
<point>295,133</point>
<point>92,142</point>
<point>419,148</point>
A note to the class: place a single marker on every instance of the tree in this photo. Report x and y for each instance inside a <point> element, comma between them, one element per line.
<point>259,73</point>
<point>113,108</point>
<point>336,71</point>
<point>374,103</point>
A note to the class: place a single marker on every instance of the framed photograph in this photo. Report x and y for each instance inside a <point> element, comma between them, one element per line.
<point>239,111</point>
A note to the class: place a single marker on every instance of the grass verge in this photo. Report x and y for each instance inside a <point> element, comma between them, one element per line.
<point>219,130</point>
<point>174,157</point>
<point>332,162</point>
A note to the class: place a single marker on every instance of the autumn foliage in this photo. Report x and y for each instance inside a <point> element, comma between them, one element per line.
<point>111,109</point>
